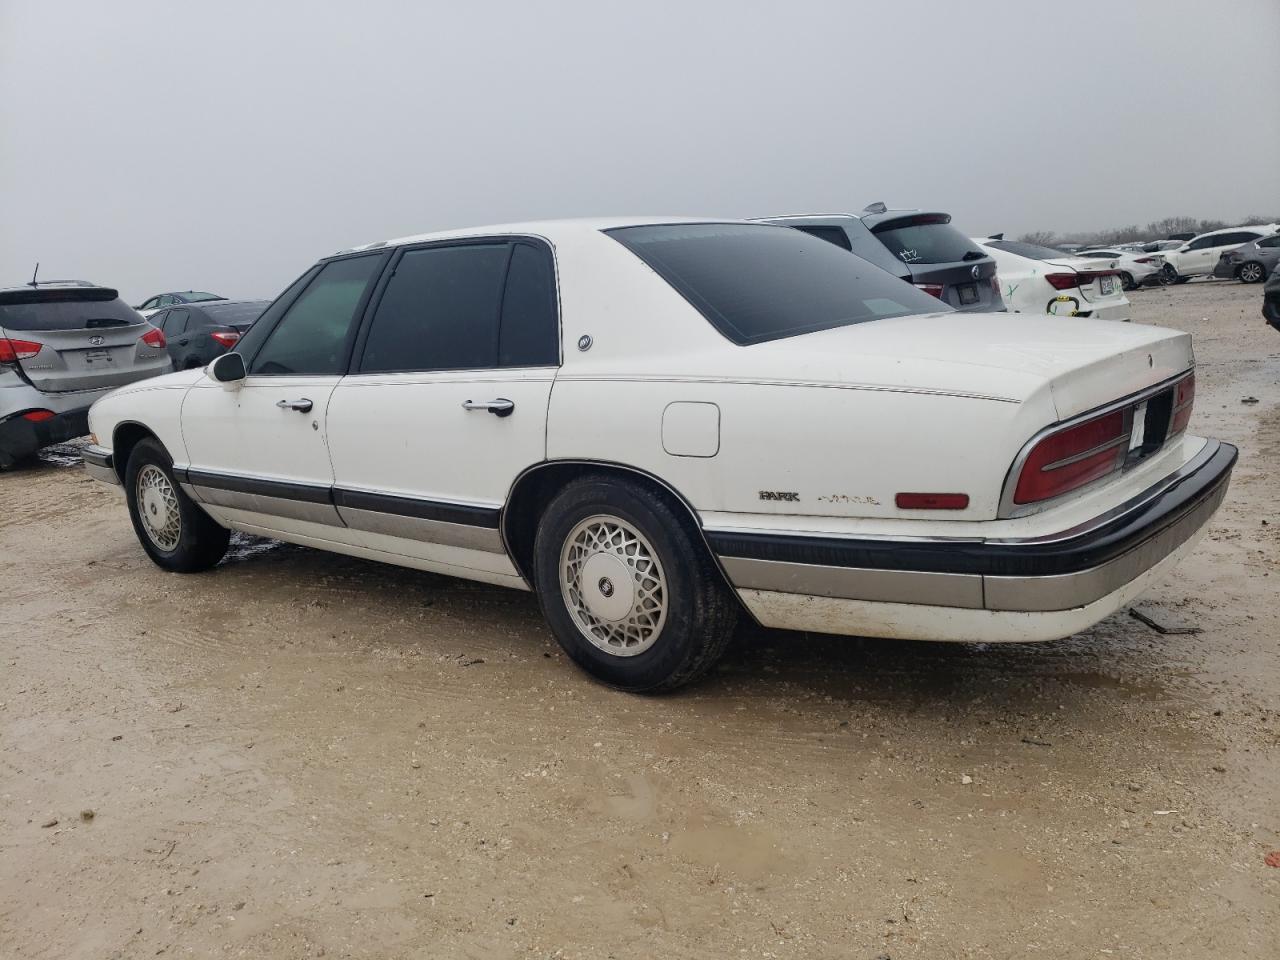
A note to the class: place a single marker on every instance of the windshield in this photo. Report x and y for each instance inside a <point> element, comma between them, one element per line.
<point>236,314</point>
<point>65,313</point>
<point>1030,250</point>
<point>932,242</point>
<point>756,282</point>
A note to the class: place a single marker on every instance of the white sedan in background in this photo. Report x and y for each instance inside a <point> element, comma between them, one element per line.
<point>1035,279</point>
<point>1136,267</point>
<point>658,425</point>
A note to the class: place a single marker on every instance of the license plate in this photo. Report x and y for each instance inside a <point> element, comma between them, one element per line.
<point>1108,285</point>
<point>97,356</point>
<point>968,293</point>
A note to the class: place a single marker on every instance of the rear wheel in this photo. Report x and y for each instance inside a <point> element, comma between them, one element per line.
<point>628,588</point>
<point>1251,272</point>
<point>174,531</point>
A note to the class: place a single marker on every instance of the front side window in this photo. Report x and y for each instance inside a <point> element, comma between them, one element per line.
<point>466,307</point>
<point>1203,243</point>
<point>314,335</point>
<point>756,282</point>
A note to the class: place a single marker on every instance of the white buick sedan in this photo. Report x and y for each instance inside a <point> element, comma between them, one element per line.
<point>656,425</point>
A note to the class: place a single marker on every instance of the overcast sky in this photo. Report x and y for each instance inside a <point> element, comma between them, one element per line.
<point>227,145</point>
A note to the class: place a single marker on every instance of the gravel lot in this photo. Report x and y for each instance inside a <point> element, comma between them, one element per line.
<point>304,755</point>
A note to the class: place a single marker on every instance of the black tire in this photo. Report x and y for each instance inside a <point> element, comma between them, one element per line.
<point>1182,279</point>
<point>1251,272</point>
<point>1126,281</point>
<point>1168,274</point>
<point>200,542</point>
<point>700,613</point>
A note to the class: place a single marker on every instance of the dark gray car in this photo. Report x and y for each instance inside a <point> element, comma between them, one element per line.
<point>198,332</point>
<point>1271,298</point>
<point>62,346</point>
<point>919,246</point>
<point>1250,262</point>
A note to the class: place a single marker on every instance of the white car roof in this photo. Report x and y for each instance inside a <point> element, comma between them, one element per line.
<point>548,229</point>
<point>1261,227</point>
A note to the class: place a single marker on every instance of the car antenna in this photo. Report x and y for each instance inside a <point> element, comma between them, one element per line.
<point>35,273</point>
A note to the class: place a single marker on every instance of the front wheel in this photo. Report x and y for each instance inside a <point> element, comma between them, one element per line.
<point>1251,272</point>
<point>177,535</point>
<point>628,588</point>
<point>1126,281</point>
<point>1168,274</point>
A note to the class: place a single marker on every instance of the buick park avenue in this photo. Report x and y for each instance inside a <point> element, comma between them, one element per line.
<point>659,425</point>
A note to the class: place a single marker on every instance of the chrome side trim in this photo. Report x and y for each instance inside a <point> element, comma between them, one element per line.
<point>487,539</point>
<point>1009,509</point>
<point>852,583</point>
<point>273,506</point>
<point>766,382</point>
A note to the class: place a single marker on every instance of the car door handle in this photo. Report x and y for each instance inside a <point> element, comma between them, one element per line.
<point>302,406</point>
<point>183,342</point>
<point>501,407</point>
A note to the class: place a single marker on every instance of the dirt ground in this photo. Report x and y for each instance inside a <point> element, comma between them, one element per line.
<point>304,755</point>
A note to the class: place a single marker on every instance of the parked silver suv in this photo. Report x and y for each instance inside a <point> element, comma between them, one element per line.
<point>62,346</point>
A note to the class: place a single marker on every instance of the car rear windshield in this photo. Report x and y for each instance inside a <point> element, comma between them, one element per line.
<point>236,314</point>
<point>195,296</point>
<point>756,282</point>
<point>64,310</point>
<point>1030,250</point>
<point>927,240</point>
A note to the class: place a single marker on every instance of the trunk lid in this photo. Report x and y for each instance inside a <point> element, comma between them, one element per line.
<point>1099,278</point>
<point>78,338</point>
<point>1083,363</point>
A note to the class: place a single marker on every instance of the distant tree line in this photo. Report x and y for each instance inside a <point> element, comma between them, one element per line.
<point>1156,230</point>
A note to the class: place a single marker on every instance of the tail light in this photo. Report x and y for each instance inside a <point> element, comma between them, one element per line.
<point>1184,398</point>
<point>1063,281</point>
<point>1072,457</point>
<point>154,338</point>
<point>933,289</point>
<point>995,285</point>
<point>11,351</point>
<point>1144,260</point>
<point>38,416</point>
<point>227,339</point>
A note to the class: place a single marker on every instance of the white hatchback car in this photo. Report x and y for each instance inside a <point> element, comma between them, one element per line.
<point>1036,279</point>
<point>657,424</point>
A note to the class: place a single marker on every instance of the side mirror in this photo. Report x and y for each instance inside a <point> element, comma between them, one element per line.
<point>228,370</point>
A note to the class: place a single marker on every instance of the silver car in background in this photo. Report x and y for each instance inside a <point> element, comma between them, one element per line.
<point>62,346</point>
<point>1250,262</point>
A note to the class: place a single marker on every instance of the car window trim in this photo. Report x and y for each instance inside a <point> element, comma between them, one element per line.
<point>389,269</point>
<point>361,306</point>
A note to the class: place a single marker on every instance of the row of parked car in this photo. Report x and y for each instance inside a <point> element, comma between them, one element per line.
<point>63,344</point>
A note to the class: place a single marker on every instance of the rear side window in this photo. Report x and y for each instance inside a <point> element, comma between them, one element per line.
<point>927,240</point>
<point>466,307</point>
<point>54,310</point>
<point>314,336</point>
<point>755,282</point>
<point>830,234</point>
<point>530,330</point>
<point>176,321</point>
<point>439,311</point>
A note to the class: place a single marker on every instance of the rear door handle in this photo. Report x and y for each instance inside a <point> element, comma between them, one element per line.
<point>501,407</point>
<point>302,406</point>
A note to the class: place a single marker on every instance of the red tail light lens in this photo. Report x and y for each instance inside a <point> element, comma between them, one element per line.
<point>933,289</point>
<point>1184,398</point>
<point>227,339</point>
<point>154,338</point>
<point>1144,260</point>
<point>11,351</point>
<point>1063,281</point>
<point>995,285</point>
<point>1070,458</point>
<point>38,416</point>
<point>931,501</point>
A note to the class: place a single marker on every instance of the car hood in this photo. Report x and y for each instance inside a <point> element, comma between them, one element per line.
<point>1083,363</point>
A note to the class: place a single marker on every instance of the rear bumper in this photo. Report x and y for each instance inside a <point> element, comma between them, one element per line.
<point>1069,570</point>
<point>19,437</point>
<point>1121,310</point>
